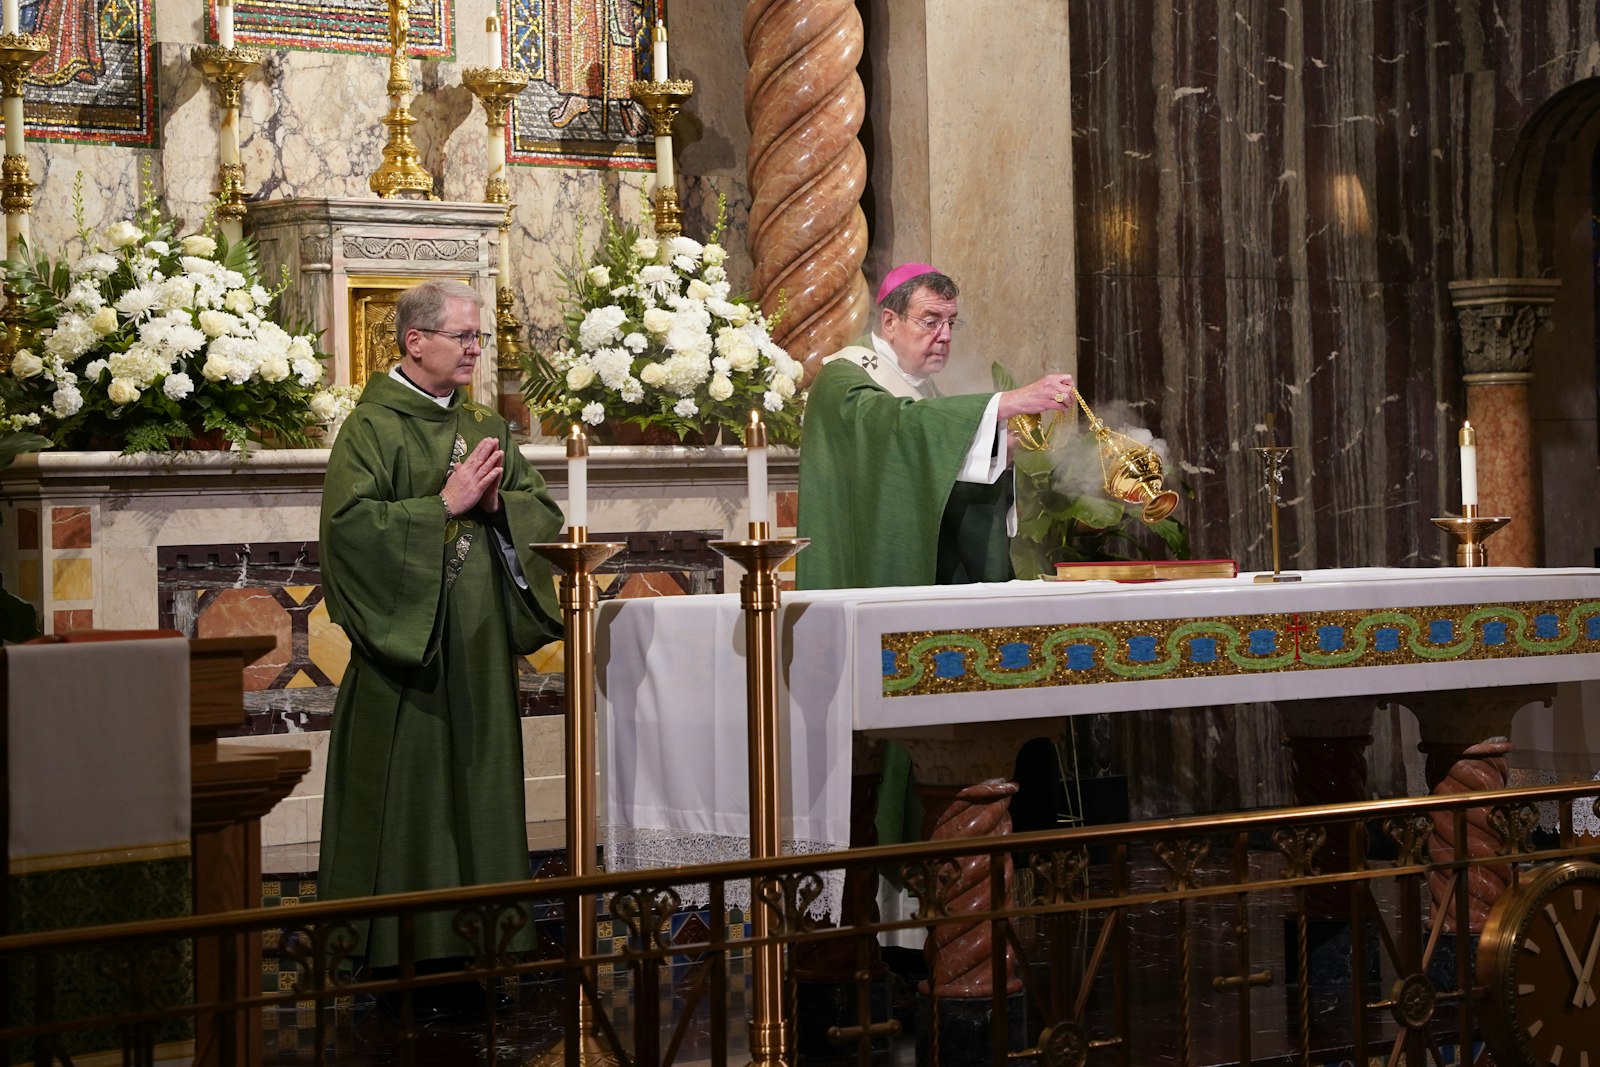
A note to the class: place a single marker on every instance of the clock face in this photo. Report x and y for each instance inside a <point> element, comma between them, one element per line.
<point>1540,958</point>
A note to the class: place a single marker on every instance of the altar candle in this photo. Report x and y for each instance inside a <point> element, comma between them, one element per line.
<point>658,51</point>
<point>224,22</point>
<point>755,443</point>
<point>11,22</point>
<point>15,131</point>
<point>492,28</point>
<point>1469,464</point>
<point>577,477</point>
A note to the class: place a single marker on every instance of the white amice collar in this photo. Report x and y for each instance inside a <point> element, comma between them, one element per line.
<point>887,352</point>
<point>442,401</point>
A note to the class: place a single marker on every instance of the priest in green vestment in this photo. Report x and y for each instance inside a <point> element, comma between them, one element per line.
<point>427,514</point>
<point>900,485</point>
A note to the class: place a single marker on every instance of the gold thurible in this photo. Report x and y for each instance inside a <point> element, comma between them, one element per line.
<point>1130,471</point>
<point>402,170</point>
<point>577,558</point>
<point>759,597</point>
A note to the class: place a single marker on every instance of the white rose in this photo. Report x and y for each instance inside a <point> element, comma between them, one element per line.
<point>216,323</point>
<point>599,277</point>
<point>122,391</point>
<point>698,290</point>
<point>645,248</point>
<point>217,367</point>
<point>714,255</point>
<point>104,321</point>
<point>658,320</point>
<point>198,244</point>
<point>743,358</point>
<point>274,368</point>
<point>157,248</point>
<point>238,301</point>
<point>721,387</point>
<point>25,364</point>
<point>177,386</point>
<point>783,385</point>
<point>324,406</point>
<point>653,374</point>
<point>123,234</point>
<point>580,377</point>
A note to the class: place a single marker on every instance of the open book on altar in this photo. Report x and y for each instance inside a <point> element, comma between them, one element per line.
<point>1149,570</point>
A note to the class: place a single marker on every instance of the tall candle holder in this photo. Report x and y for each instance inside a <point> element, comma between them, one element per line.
<point>18,53</point>
<point>578,557</point>
<point>402,170</point>
<point>497,87</point>
<point>226,69</point>
<point>1471,530</point>
<point>662,100</point>
<point>761,555</point>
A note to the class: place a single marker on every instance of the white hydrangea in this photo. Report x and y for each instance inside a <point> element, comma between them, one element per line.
<point>614,366</point>
<point>99,264</point>
<point>72,337</point>
<point>601,326</point>
<point>635,342</point>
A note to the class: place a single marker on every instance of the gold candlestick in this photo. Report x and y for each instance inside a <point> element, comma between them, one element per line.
<point>1272,457</point>
<point>497,87</point>
<point>401,170</point>
<point>662,101</point>
<point>577,557</point>
<point>1471,530</point>
<point>226,69</point>
<point>18,53</point>
<point>760,555</point>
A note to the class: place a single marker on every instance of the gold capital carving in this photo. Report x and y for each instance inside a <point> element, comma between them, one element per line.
<point>18,53</point>
<point>1498,319</point>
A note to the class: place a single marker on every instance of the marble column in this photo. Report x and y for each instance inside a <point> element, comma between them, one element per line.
<point>1498,318</point>
<point>972,171</point>
<point>804,102</point>
<point>1465,737</point>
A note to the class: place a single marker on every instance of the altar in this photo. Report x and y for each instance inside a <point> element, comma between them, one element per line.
<point>952,664</point>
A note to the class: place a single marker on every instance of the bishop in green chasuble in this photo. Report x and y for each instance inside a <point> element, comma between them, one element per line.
<point>425,770</point>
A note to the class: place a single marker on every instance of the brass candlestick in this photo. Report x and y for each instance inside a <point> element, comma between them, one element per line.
<point>760,555</point>
<point>662,101</point>
<point>401,170</point>
<point>1272,456</point>
<point>497,87</point>
<point>226,69</point>
<point>18,53</point>
<point>577,557</point>
<point>1471,530</point>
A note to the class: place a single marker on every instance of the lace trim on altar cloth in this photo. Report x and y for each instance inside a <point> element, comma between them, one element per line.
<point>634,848</point>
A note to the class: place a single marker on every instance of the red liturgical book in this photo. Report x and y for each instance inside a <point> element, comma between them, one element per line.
<point>1152,570</point>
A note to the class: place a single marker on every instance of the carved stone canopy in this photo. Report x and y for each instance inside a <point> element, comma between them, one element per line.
<point>1498,318</point>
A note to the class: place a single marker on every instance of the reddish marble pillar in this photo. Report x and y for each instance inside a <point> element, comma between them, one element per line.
<point>808,236</point>
<point>1499,318</point>
<point>1464,735</point>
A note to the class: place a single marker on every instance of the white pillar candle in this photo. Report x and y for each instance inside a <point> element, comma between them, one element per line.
<point>492,28</point>
<point>224,22</point>
<point>16,132</point>
<point>755,440</point>
<point>665,179</point>
<point>658,52</point>
<point>11,22</point>
<point>1469,464</point>
<point>577,477</point>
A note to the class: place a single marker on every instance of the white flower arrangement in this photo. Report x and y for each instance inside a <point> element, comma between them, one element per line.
<point>145,342</point>
<point>655,337</point>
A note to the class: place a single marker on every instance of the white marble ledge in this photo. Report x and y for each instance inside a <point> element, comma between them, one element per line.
<point>48,472</point>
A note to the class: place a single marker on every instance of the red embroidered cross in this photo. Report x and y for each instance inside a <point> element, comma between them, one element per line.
<point>1296,628</point>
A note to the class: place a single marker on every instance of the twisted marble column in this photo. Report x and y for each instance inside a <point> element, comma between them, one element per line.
<point>808,237</point>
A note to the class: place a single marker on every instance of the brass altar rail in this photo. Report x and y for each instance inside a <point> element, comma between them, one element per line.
<point>1196,905</point>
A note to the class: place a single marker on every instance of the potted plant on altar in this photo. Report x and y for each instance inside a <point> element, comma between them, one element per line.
<point>145,342</point>
<point>653,339</point>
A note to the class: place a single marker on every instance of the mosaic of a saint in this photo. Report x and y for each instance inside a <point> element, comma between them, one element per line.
<point>75,52</point>
<point>590,54</point>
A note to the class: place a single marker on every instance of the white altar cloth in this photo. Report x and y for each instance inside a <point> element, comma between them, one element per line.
<point>672,674</point>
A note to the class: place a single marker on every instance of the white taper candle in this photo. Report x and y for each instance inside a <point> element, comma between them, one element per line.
<point>658,51</point>
<point>577,477</point>
<point>492,28</point>
<point>755,442</point>
<point>224,22</point>
<point>1469,464</point>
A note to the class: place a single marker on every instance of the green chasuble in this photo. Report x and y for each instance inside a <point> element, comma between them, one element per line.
<point>425,758</point>
<point>878,492</point>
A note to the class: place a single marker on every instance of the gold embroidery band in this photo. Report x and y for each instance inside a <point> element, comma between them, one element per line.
<point>60,861</point>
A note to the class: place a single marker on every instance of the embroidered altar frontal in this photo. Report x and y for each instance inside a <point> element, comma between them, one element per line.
<point>920,663</point>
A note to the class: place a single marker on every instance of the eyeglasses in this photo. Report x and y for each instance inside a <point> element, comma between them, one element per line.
<point>464,338</point>
<point>935,325</point>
